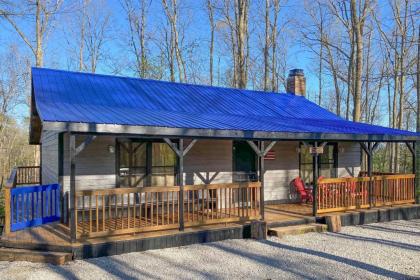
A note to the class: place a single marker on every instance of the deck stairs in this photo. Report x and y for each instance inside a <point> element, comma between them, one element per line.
<point>13,254</point>
<point>296,229</point>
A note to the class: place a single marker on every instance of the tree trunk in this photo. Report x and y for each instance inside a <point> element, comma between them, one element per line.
<point>358,31</point>
<point>267,43</point>
<point>212,27</point>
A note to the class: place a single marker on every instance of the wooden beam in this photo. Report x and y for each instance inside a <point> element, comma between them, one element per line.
<point>73,222</point>
<point>188,148</point>
<point>218,133</point>
<point>254,147</point>
<point>181,184</point>
<point>84,144</point>
<point>375,146</point>
<point>269,147</point>
<point>173,146</point>
<point>417,171</point>
<point>364,147</point>
<point>315,181</point>
<point>411,148</point>
<point>369,163</point>
<point>262,173</point>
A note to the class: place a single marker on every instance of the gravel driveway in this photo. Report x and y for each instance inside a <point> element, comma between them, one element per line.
<point>384,250</point>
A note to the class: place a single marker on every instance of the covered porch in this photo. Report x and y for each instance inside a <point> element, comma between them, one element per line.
<point>100,213</point>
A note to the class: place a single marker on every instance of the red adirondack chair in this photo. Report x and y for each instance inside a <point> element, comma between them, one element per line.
<point>304,193</point>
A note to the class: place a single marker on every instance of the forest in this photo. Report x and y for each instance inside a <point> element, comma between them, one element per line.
<point>361,57</point>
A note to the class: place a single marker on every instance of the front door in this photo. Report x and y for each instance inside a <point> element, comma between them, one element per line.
<point>244,162</point>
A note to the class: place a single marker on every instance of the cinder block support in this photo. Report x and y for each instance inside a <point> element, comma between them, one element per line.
<point>417,171</point>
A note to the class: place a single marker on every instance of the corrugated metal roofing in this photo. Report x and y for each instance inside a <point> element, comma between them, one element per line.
<point>63,96</point>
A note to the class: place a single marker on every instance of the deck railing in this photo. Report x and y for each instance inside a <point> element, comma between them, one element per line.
<point>338,194</point>
<point>28,175</point>
<point>129,210</point>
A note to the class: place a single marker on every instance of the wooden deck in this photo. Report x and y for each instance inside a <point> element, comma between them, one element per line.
<point>57,234</point>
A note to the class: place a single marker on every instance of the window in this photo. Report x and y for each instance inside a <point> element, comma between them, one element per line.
<point>327,162</point>
<point>143,164</point>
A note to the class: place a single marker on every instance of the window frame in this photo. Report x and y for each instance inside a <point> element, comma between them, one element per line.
<point>335,158</point>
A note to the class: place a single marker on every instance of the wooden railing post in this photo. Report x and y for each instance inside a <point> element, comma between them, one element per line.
<point>7,217</point>
<point>181,184</point>
<point>417,172</point>
<point>73,208</point>
<point>315,181</point>
<point>10,184</point>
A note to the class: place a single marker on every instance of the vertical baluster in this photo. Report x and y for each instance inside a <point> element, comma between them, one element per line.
<point>135,195</point>
<point>128,210</point>
<point>168,210</point>
<point>163,208</point>
<point>140,209</point>
<point>103,212</point>
<point>90,213</point>
<point>97,213</point>
<point>173,207</point>
<point>230,202</point>
<point>116,211</point>
<point>146,205</point>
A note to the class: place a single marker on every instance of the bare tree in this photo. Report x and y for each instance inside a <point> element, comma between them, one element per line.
<point>171,12</point>
<point>137,18</point>
<point>210,10</point>
<point>44,12</point>
<point>241,9</point>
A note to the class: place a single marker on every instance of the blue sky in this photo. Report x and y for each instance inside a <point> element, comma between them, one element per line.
<point>58,50</point>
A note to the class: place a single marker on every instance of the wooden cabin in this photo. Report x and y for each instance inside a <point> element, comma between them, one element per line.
<point>125,155</point>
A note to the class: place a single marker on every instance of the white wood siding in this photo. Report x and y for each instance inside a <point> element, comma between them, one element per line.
<point>49,154</point>
<point>281,171</point>
<point>95,165</point>
<point>348,159</point>
<point>209,161</point>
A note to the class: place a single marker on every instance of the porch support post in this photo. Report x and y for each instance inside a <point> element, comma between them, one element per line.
<point>315,180</point>
<point>369,170</point>
<point>261,151</point>
<point>72,153</point>
<point>181,183</point>
<point>411,148</point>
<point>417,171</point>
<point>181,153</point>
<point>261,177</point>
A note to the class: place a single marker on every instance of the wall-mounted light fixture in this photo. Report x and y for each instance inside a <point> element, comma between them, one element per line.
<point>341,150</point>
<point>111,149</point>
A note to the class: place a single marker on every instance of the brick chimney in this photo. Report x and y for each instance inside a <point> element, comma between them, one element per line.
<point>296,82</point>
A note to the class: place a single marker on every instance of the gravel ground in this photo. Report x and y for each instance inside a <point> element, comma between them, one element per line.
<point>376,251</point>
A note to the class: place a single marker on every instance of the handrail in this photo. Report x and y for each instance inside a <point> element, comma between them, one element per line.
<point>337,194</point>
<point>365,179</point>
<point>103,212</point>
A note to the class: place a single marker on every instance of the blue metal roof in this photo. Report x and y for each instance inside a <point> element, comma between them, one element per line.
<point>63,96</point>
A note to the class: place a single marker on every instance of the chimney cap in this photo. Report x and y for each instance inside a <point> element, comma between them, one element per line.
<point>296,72</point>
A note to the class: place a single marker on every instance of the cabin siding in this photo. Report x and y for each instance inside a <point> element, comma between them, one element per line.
<point>281,171</point>
<point>349,159</point>
<point>208,162</point>
<point>49,157</point>
<point>95,165</point>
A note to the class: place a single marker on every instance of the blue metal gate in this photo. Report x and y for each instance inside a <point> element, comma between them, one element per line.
<point>33,206</point>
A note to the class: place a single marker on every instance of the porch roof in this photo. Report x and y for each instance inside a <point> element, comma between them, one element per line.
<point>82,102</point>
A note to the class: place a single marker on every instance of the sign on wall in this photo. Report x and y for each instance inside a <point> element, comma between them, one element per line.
<point>316,150</point>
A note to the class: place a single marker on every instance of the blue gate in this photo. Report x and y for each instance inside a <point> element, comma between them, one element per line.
<point>33,206</point>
